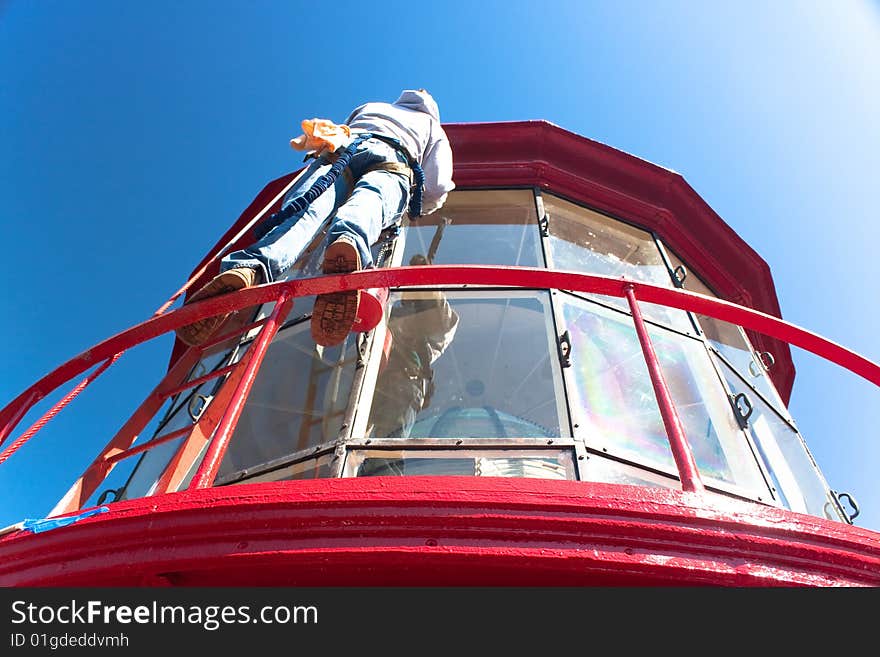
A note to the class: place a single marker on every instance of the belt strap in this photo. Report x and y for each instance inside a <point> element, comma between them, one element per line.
<point>394,167</point>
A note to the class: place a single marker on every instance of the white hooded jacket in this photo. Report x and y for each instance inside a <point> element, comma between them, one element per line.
<point>414,120</point>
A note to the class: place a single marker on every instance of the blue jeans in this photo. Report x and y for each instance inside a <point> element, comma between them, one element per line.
<point>364,204</point>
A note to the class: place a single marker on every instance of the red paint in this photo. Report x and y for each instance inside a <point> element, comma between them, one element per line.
<point>210,464</point>
<point>526,277</point>
<point>457,530</point>
<point>681,451</point>
<point>370,309</point>
<point>443,531</point>
<point>52,412</point>
<point>540,154</point>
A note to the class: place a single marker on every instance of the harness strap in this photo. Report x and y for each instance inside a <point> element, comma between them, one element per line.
<point>343,159</point>
<point>417,179</point>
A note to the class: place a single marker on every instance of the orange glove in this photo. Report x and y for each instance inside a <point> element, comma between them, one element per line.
<point>320,135</point>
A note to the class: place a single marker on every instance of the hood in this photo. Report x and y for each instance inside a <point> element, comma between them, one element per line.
<point>420,101</point>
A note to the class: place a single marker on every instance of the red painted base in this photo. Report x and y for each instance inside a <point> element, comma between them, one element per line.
<point>450,531</point>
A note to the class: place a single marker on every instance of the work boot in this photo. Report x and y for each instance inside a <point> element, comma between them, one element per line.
<point>230,280</point>
<point>334,313</point>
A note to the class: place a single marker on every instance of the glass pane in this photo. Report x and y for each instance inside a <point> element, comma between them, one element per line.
<point>467,365</point>
<point>497,227</point>
<point>799,484</point>
<point>613,392</point>
<point>584,240</point>
<point>318,468</point>
<point>145,477</point>
<point>610,471</point>
<point>298,399</point>
<point>188,406</point>
<point>534,464</point>
<point>731,341</point>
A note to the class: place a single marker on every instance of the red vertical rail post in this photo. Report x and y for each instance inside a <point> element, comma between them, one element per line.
<point>209,466</point>
<point>681,451</point>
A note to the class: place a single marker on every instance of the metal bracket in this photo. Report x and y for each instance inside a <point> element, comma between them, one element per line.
<point>852,502</point>
<point>564,346</point>
<point>742,415</point>
<point>363,342</point>
<point>192,413</point>
<point>103,498</point>
<point>766,359</point>
<point>680,275</point>
<point>544,225</point>
<point>765,362</point>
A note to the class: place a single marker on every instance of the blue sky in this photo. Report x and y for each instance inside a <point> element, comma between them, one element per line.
<point>133,135</point>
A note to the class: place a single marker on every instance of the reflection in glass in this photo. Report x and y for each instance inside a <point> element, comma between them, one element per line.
<point>420,328</point>
<point>609,471</point>
<point>298,399</point>
<point>498,227</point>
<point>586,241</point>
<point>731,341</point>
<point>613,391</point>
<point>467,365</point>
<point>799,484</point>
<point>534,464</point>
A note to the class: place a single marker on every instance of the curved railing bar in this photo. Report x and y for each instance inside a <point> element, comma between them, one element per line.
<point>7,427</point>
<point>440,275</point>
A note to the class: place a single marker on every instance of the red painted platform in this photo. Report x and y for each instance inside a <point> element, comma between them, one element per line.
<point>417,531</point>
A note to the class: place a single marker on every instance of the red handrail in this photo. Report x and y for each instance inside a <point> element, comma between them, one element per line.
<point>10,423</point>
<point>441,275</point>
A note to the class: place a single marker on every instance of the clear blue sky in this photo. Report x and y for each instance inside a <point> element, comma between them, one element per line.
<point>134,133</point>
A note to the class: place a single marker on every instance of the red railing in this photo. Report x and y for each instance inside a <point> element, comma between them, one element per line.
<point>227,407</point>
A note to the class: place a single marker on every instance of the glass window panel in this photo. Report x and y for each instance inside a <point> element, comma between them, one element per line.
<point>114,485</point>
<point>318,468</point>
<point>496,227</point>
<point>613,392</point>
<point>609,471</point>
<point>187,407</point>
<point>797,480</point>
<point>145,477</point>
<point>298,399</point>
<point>731,341</point>
<point>584,240</point>
<point>467,365</point>
<point>531,463</point>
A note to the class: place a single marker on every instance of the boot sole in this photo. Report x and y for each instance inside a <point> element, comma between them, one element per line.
<point>334,314</point>
<point>197,333</point>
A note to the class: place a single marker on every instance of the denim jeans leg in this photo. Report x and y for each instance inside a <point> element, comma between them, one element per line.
<point>377,202</point>
<point>278,250</point>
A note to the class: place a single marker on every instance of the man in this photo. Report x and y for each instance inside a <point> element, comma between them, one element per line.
<point>370,196</point>
<point>422,326</point>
